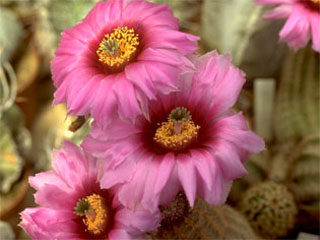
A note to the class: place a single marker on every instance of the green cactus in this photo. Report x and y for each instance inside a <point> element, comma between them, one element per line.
<point>206,222</point>
<point>305,176</point>
<point>297,103</point>
<point>270,208</point>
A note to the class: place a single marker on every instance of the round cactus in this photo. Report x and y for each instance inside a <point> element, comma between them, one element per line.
<point>270,208</point>
<point>206,222</point>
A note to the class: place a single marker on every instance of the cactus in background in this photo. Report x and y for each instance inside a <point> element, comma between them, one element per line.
<point>297,102</point>
<point>305,176</point>
<point>270,208</point>
<point>206,222</point>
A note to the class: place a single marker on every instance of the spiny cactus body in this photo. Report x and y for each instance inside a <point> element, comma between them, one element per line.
<point>270,208</point>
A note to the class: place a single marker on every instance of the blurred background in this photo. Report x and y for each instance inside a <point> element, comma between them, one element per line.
<point>278,199</point>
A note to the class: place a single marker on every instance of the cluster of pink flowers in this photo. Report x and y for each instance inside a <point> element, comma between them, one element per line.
<point>163,124</point>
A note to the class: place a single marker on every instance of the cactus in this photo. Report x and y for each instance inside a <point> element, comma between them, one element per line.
<point>270,208</point>
<point>305,176</point>
<point>206,222</point>
<point>297,102</point>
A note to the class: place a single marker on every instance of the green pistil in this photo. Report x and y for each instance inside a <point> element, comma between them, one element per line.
<point>110,46</point>
<point>82,207</point>
<point>180,115</point>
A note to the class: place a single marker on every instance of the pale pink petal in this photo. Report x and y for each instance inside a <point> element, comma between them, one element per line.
<point>226,155</point>
<point>315,28</point>
<point>113,176</point>
<point>296,30</point>
<point>126,97</point>
<point>70,164</point>
<point>165,169</point>
<point>200,160</point>
<point>187,177</point>
<point>55,198</point>
<point>171,189</point>
<point>45,223</point>
<point>138,191</point>
<point>118,234</point>
<point>138,220</point>
<point>283,11</point>
<point>151,15</point>
<point>222,80</point>
<point>103,14</point>
<point>171,39</point>
<point>138,75</point>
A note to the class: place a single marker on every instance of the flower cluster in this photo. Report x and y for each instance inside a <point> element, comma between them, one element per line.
<point>163,125</point>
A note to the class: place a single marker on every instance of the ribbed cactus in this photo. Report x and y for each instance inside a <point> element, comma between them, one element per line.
<point>297,103</point>
<point>305,176</point>
<point>270,208</point>
<point>206,222</point>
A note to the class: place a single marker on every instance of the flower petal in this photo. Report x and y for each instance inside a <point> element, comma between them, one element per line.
<point>187,177</point>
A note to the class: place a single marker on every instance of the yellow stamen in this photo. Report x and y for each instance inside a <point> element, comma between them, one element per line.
<point>168,137</point>
<point>315,1</point>
<point>118,47</point>
<point>96,219</point>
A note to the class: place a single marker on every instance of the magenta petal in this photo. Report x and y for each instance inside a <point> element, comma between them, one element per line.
<point>187,177</point>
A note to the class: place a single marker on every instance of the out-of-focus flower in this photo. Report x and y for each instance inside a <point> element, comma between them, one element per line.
<point>303,21</point>
<point>74,207</point>
<point>191,142</point>
<point>118,57</point>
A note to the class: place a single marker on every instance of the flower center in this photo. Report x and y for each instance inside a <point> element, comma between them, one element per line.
<point>179,132</point>
<point>95,213</point>
<point>118,47</point>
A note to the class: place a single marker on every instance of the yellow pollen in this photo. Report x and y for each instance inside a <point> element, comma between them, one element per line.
<point>167,137</point>
<point>96,219</point>
<point>315,1</point>
<point>118,47</point>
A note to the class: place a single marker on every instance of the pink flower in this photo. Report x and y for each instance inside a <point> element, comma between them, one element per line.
<point>193,142</point>
<point>74,207</point>
<point>118,56</point>
<point>303,21</point>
